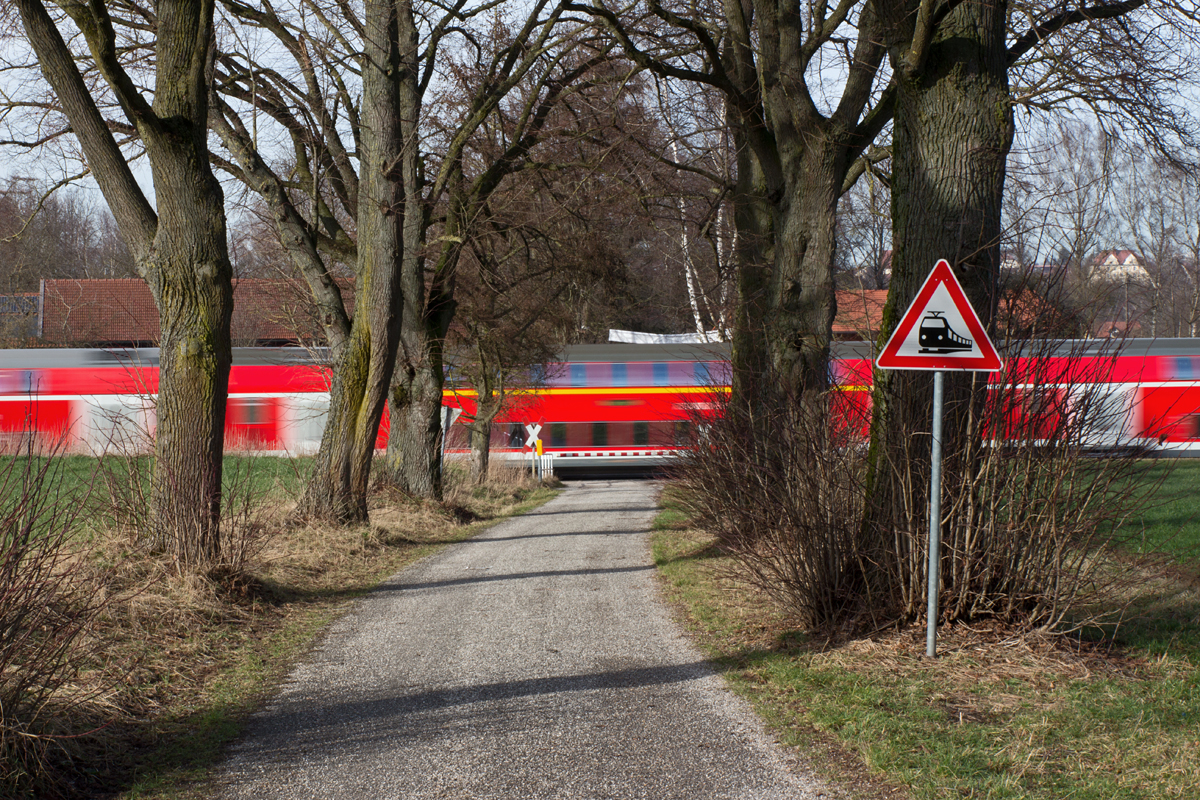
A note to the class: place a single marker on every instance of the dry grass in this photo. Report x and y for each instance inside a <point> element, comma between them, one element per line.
<point>178,659</point>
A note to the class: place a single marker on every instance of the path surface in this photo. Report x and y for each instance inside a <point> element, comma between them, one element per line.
<point>531,662</point>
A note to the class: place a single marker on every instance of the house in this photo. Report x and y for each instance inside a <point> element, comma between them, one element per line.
<point>1119,266</point>
<point>121,312</point>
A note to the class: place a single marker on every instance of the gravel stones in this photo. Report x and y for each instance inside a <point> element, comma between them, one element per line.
<point>534,661</point>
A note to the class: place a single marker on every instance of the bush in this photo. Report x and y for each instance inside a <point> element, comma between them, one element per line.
<point>49,597</point>
<point>782,491</point>
<point>1035,498</point>
<point>1033,502</point>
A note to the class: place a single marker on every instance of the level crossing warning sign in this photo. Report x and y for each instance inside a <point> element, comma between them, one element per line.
<point>940,331</point>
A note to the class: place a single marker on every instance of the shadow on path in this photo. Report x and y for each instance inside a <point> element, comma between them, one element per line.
<point>516,576</point>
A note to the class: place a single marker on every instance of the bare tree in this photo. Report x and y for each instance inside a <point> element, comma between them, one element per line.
<point>514,85</point>
<point>50,233</point>
<point>427,198</point>
<point>179,247</point>
<point>1185,191</point>
<point>539,237</point>
<point>952,133</point>
<point>795,142</point>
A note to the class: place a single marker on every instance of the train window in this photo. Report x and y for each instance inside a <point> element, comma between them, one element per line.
<point>700,374</point>
<point>599,434</point>
<point>641,433</point>
<point>254,412</point>
<point>14,381</point>
<point>458,437</point>
<point>620,375</point>
<point>639,373</point>
<point>516,434</point>
<point>683,432</point>
<point>579,374</point>
<point>1185,369</point>
<point>558,434</point>
<point>662,433</point>
<point>661,374</point>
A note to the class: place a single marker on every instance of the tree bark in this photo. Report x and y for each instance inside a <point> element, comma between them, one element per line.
<point>481,451</point>
<point>338,487</point>
<point>952,133</point>
<point>414,459</point>
<point>181,251</point>
<point>792,163</point>
<point>190,276</point>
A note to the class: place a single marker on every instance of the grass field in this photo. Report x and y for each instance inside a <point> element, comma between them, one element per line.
<point>997,715</point>
<point>1172,525</point>
<point>84,476</point>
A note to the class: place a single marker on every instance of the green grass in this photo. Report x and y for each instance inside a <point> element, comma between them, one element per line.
<point>78,474</point>
<point>1171,524</point>
<point>994,716</point>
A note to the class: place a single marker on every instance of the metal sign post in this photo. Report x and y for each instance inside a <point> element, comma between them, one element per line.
<point>935,516</point>
<point>940,331</point>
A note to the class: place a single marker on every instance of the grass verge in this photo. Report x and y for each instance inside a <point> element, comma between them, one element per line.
<point>1171,525</point>
<point>187,659</point>
<point>995,716</point>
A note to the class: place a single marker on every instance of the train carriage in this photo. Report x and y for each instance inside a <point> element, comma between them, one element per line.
<point>602,403</point>
<point>606,403</point>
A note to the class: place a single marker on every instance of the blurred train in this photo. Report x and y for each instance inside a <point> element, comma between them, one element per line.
<point>602,404</point>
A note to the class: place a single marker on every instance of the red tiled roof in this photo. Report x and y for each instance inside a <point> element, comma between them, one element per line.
<point>121,312</point>
<point>1119,256</point>
<point>859,313</point>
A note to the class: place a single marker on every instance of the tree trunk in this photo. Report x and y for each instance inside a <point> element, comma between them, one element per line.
<point>952,132</point>
<point>792,164</point>
<point>802,300</point>
<point>785,252</point>
<point>337,490</point>
<point>481,450</point>
<point>414,459</point>
<point>181,250</point>
<point>190,276</point>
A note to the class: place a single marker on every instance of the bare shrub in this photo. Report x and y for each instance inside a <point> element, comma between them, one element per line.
<point>505,479</point>
<point>50,596</point>
<point>782,491</point>
<point>1033,502</point>
<point>126,477</point>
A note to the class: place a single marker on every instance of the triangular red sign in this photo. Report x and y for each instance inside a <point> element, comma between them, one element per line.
<point>940,331</point>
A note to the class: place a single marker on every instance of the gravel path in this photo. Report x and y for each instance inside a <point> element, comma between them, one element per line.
<point>531,662</point>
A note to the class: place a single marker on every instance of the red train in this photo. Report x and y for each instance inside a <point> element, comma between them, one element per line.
<point>603,404</point>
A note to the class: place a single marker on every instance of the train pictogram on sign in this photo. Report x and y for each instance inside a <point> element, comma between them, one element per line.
<point>936,336</point>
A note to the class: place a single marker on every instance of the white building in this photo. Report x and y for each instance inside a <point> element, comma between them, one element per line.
<point>1119,266</point>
